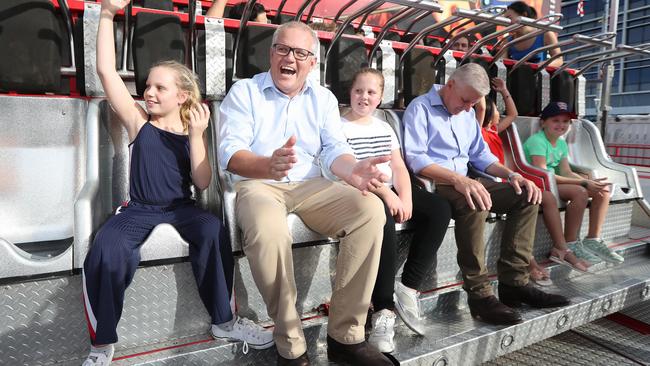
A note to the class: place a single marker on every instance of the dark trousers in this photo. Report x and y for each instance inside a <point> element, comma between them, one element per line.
<point>431,215</point>
<point>516,242</point>
<point>115,254</point>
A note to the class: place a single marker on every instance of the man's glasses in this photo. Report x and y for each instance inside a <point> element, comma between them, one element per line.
<point>300,54</point>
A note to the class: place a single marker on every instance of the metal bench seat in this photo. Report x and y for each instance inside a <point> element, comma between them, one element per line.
<point>43,167</point>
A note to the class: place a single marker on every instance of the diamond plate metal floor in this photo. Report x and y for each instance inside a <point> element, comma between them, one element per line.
<point>42,320</point>
<point>453,336</point>
<point>566,349</point>
<point>602,342</point>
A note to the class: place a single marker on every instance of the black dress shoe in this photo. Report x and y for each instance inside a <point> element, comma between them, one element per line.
<point>514,296</point>
<point>360,354</point>
<point>302,360</point>
<point>491,310</point>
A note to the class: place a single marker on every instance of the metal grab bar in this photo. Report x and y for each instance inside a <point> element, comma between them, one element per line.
<point>485,21</point>
<point>417,19</point>
<point>424,32</point>
<point>419,4</point>
<point>583,58</point>
<point>243,22</point>
<point>311,11</point>
<point>543,22</point>
<point>505,47</point>
<point>366,9</point>
<point>487,38</point>
<point>480,16</point>
<point>276,20</point>
<point>642,49</point>
<point>68,25</point>
<point>191,34</point>
<point>302,9</point>
<point>600,60</point>
<point>362,22</point>
<point>475,29</point>
<point>404,13</point>
<point>572,40</point>
<point>542,26</point>
<point>454,29</point>
<point>126,37</point>
<point>543,65</point>
<point>343,8</point>
<point>597,40</point>
<point>489,10</point>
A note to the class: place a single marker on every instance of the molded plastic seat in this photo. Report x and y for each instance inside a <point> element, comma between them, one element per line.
<point>420,73</point>
<point>525,87</point>
<point>156,37</point>
<point>347,56</point>
<point>586,155</point>
<point>563,89</point>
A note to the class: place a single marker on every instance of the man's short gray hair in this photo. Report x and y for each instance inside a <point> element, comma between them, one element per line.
<point>474,76</point>
<point>298,25</point>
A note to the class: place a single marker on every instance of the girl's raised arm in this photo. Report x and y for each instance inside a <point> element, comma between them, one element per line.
<point>511,109</point>
<point>129,112</point>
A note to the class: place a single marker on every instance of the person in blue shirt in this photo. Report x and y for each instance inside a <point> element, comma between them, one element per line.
<point>280,133</point>
<point>518,50</point>
<point>441,138</point>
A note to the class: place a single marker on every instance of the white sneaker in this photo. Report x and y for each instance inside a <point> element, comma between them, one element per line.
<point>407,304</point>
<point>99,357</point>
<point>253,335</point>
<point>383,331</point>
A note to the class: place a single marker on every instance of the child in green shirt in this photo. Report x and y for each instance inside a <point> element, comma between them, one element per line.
<point>549,151</point>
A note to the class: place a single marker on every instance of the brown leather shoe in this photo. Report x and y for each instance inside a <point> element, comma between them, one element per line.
<point>302,360</point>
<point>360,354</point>
<point>491,310</point>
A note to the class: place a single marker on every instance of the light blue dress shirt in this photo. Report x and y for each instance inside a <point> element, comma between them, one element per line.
<point>434,136</point>
<point>257,117</point>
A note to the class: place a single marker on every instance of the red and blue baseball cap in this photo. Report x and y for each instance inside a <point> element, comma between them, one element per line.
<point>555,109</point>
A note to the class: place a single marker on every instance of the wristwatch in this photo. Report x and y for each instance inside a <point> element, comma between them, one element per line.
<point>513,174</point>
<point>584,183</point>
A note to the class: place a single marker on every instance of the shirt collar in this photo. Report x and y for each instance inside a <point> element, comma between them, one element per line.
<point>267,82</point>
<point>435,99</point>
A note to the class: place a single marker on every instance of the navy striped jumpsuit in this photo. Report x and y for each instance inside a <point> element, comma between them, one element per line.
<point>160,178</point>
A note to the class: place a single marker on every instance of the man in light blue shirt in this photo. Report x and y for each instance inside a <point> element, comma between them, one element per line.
<point>279,132</point>
<point>441,137</point>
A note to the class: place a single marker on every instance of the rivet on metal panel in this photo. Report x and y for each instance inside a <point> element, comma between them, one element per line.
<point>607,305</point>
<point>562,321</point>
<point>645,292</point>
<point>441,361</point>
<point>507,341</point>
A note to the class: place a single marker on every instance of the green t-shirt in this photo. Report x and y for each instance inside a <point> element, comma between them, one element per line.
<point>539,145</point>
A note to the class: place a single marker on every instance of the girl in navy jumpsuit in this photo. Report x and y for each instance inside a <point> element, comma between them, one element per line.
<point>168,154</point>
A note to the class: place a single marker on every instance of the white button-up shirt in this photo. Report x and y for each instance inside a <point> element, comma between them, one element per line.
<point>257,117</point>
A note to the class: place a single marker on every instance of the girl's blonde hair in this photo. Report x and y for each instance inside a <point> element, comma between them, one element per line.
<point>187,81</point>
<point>369,70</point>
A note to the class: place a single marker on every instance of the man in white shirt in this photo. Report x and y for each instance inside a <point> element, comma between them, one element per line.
<point>275,177</point>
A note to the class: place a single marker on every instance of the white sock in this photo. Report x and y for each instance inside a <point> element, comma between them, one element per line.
<point>106,349</point>
<point>227,326</point>
<point>408,289</point>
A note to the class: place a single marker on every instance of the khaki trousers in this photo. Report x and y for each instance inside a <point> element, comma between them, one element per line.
<point>329,208</point>
<point>516,242</point>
